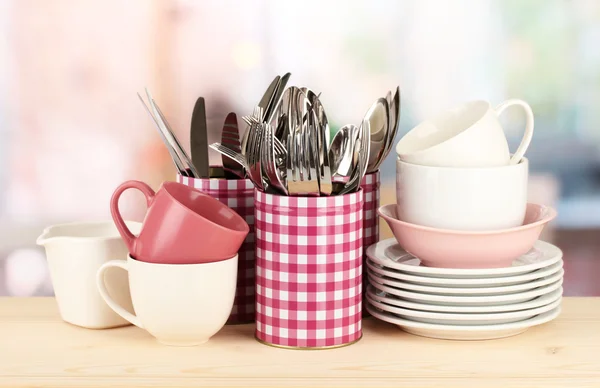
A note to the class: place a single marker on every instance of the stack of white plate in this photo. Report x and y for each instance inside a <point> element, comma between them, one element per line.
<point>464,304</point>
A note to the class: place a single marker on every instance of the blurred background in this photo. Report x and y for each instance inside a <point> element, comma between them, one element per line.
<point>72,127</point>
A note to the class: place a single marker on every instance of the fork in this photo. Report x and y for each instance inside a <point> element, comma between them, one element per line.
<point>235,156</point>
<point>268,161</point>
<point>301,170</point>
<point>312,163</point>
<point>279,148</point>
<point>252,152</point>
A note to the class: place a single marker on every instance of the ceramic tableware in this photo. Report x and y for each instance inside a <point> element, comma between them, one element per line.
<point>447,248</point>
<point>464,282</point>
<point>459,300</point>
<point>468,319</point>
<point>469,135</point>
<point>238,194</point>
<point>390,254</point>
<point>462,198</point>
<point>74,252</point>
<point>182,226</point>
<point>180,305</point>
<point>440,290</point>
<point>473,332</point>
<point>393,300</point>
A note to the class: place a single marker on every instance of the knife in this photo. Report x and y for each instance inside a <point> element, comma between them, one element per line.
<point>164,126</point>
<point>230,137</point>
<point>174,157</point>
<point>199,139</point>
<point>270,109</point>
<point>267,100</point>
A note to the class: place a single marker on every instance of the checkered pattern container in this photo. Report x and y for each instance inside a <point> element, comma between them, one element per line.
<point>308,270</point>
<point>370,185</point>
<point>238,194</point>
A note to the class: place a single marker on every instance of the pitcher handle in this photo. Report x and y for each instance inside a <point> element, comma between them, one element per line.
<point>106,296</point>
<point>126,234</point>
<point>528,135</point>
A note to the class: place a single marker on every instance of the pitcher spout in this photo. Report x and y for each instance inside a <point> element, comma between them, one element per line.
<point>45,237</point>
<point>92,232</point>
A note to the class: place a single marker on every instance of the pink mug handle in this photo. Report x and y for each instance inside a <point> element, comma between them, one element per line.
<point>126,234</point>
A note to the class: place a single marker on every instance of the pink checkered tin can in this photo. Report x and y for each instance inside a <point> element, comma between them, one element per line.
<point>370,185</point>
<point>308,270</point>
<point>238,194</point>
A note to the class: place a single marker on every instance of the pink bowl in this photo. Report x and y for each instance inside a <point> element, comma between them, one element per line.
<point>446,248</point>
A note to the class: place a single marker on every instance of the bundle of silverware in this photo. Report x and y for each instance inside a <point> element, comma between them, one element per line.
<point>286,150</point>
<point>198,165</point>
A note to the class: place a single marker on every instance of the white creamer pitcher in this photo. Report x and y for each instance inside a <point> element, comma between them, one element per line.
<point>75,252</point>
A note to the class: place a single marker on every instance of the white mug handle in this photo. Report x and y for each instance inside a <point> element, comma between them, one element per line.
<point>106,296</point>
<point>520,152</point>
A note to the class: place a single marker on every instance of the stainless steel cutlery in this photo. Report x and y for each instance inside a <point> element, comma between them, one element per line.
<point>384,119</point>
<point>285,149</point>
<point>341,149</point>
<point>253,148</point>
<point>270,161</point>
<point>182,161</point>
<point>230,137</point>
<point>199,139</point>
<point>360,159</point>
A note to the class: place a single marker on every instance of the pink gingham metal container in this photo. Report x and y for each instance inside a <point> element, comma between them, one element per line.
<point>308,270</point>
<point>370,185</point>
<point>238,194</point>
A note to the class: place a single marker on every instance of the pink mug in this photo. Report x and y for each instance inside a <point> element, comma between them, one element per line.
<point>182,226</point>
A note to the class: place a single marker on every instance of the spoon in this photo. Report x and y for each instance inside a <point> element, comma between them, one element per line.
<point>341,150</point>
<point>378,118</point>
<point>394,123</point>
<point>361,154</point>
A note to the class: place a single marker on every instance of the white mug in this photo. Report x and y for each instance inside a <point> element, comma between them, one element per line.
<point>467,136</point>
<point>75,252</point>
<point>178,304</point>
<point>462,198</point>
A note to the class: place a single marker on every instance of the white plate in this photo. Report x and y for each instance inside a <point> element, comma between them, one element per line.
<point>465,282</point>
<point>398,302</point>
<point>464,319</point>
<point>388,253</point>
<point>453,332</point>
<point>464,291</point>
<point>469,300</point>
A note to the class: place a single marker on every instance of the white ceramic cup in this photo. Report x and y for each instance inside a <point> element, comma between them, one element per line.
<point>178,304</point>
<point>462,198</point>
<point>467,136</point>
<point>74,252</point>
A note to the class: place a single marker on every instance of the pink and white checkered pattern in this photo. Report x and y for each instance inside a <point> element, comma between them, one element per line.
<point>308,270</point>
<point>370,185</point>
<point>238,194</point>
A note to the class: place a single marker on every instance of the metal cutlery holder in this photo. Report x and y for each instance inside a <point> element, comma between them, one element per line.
<point>370,186</point>
<point>309,270</point>
<point>238,194</point>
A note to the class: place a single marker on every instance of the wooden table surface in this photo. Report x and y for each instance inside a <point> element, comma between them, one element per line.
<point>38,349</point>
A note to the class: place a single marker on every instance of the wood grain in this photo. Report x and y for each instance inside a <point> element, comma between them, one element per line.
<point>38,349</point>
